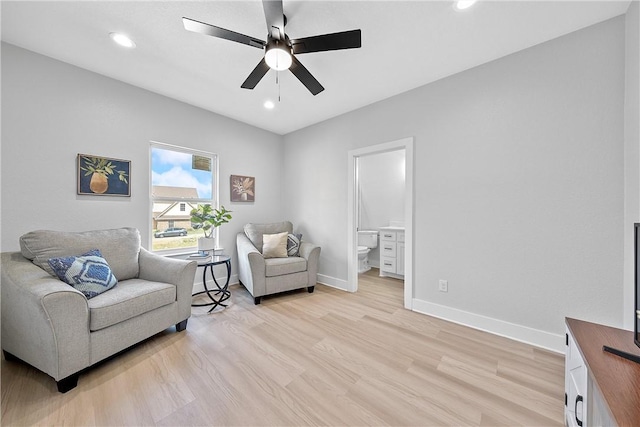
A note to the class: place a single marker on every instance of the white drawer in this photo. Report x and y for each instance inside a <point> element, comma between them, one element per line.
<point>388,236</point>
<point>388,249</point>
<point>400,236</point>
<point>388,264</point>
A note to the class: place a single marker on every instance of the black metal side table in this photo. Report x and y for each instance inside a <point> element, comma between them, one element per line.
<point>219,294</point>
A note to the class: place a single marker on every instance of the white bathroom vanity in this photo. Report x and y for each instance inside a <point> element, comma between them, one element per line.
<point>392,252</point>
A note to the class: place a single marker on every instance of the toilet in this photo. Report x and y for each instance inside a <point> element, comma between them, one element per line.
<point>367,240</point>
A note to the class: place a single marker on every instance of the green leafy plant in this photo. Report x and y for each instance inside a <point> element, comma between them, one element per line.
<point>207,218</point>
<point>102,166</point>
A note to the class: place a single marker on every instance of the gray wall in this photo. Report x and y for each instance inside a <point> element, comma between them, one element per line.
<point>52,110</point>
<point>631,153</point>
<point>518,182</point>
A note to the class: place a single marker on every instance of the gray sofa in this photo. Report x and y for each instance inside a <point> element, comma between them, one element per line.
<point>266,276</point>
<point>55,328</point>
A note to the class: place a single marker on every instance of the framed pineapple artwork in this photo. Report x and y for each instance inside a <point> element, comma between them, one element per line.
<point>243,188</point>
<point>103,176</point>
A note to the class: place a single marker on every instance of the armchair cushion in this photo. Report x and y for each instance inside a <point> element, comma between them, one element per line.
<point>255,231</point>
<point>274,245</point>
<point>120,247</point>
<point>293,244</point>
<point>280,266</point>
<point>89,273</point>
<point>129,299</point>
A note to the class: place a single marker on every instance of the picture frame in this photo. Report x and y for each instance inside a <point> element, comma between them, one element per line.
<point>243,188</point>
<point>103,176</point>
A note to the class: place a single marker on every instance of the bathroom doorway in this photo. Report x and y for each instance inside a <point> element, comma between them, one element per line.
<point>400,219</point>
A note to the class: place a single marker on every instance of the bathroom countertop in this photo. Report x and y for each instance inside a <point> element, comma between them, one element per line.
<point>392,228</point>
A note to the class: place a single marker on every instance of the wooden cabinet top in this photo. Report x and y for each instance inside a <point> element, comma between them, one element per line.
<point>617,379</point>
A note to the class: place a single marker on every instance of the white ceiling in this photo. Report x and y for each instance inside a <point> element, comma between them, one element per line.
<point>404,45</point>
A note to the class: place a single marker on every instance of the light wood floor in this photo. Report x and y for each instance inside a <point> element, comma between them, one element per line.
<point>327,358</point>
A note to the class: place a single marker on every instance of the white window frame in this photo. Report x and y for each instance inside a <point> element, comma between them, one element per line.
<point>215,195</point>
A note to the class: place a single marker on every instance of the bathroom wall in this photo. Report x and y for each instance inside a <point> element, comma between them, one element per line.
<point>381,184</point>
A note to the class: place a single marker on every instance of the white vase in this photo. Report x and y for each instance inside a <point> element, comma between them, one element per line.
<point>206,243</point>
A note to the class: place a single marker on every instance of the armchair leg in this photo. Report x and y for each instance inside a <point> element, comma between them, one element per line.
<point>182,325</point>
<point>256,300</point>
<point>66,384</point>
<point>310,289</point>
<point>10,357</point>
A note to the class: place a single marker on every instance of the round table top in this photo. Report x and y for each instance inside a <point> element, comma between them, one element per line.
<point>210,259</point>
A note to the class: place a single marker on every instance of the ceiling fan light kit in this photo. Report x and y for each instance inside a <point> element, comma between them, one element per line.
<point>278,55</point>
<point>279,50</point>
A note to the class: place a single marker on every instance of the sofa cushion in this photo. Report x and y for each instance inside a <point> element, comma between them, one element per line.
<point>89,273</point>
<point>255,231</point>
<point>280,266</point>
<point>129,299</point>
<point>293,244</point>
<point>274,245</point>
<point>120,247</point>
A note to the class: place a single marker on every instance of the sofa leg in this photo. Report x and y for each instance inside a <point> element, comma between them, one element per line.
<point>256,300</point>
<point>66,384</point>
<point>181,326</point>
<point>10,357</point>
<point>310,289</point>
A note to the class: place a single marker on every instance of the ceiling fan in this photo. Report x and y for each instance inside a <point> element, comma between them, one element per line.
<point>279,49</point>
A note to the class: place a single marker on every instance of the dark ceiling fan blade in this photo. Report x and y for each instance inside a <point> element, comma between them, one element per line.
<point>212,30</point>
<point>305,77</point>
<point>274,15</point>
<point>256,75</point>
<point>335,41</point>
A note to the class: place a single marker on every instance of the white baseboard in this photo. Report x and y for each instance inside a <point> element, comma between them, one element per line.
<point>333,282</point>
<point>199,287</point>
<point>538,338</point>
<point>325,280</point>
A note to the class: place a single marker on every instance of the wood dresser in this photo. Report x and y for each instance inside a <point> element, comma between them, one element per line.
<point>600,388</point>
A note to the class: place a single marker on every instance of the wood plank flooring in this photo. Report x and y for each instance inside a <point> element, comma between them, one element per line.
<point>327,358</point>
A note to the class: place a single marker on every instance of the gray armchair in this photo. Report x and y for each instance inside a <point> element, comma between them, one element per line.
<point>55,328</point>
<point>266,276</point>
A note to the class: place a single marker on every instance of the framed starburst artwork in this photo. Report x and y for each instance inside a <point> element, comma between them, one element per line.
<point>243,188</point>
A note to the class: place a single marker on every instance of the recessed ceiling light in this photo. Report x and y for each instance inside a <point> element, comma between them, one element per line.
<point>122,40</point>
<point>464,4</point>
<point>269,105</point>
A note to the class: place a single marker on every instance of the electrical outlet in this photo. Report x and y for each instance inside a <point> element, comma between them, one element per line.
<point>443,286</point>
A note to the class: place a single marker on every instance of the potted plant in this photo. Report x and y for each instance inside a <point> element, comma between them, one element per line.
<point>207,218</point>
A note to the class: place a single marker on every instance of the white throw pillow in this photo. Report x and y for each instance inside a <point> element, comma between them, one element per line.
<point>275,245</point>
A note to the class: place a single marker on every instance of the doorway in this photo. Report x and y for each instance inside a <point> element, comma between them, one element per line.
<point>405,144</point>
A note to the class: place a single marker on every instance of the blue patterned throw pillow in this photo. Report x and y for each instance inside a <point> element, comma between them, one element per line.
<point>293,244</point>
<point>89,273</point>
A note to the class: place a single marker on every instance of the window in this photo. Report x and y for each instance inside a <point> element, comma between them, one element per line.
<point>181,179</point>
